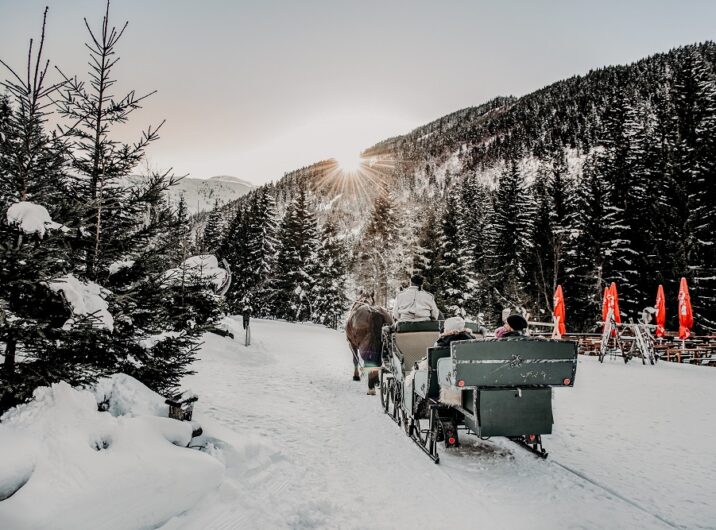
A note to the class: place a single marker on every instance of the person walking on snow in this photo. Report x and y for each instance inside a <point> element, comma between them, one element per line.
<point>415,305</point>
<point>246,314</point>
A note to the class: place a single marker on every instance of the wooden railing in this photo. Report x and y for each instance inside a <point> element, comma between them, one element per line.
<point>699,349</point>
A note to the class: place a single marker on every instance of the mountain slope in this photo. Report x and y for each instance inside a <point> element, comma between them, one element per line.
<point>634,146</point>
<point>202,194</point>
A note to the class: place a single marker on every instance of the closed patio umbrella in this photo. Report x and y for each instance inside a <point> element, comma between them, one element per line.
<point>686,316</point>
<point>559,311</point>
<point>660,312</point>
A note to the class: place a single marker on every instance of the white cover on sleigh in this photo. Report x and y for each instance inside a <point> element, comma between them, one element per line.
<point>449,393</point>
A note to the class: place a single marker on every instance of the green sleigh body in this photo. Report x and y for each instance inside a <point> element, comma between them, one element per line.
<point>486,387</point>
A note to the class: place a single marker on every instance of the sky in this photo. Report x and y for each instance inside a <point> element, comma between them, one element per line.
<point>256,89</point>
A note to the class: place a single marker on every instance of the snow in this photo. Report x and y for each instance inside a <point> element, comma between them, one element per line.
<point>153,340</point>
<point>318,453</point>
<point>291,442</point>
<point>201,194</point>
<point>199,269</point>
<point>125,396</point>
<point>17,462</point>
<point>85,298</point>
<point>31,218</point>
<point>90,469</point>
<point>117,266</point>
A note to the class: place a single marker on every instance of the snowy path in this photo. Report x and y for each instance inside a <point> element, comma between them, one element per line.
<point>315,452</point>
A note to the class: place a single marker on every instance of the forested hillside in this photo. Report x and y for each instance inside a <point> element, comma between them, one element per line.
<point>604,177</point>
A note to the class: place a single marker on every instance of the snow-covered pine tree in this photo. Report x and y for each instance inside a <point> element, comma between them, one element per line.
<point>510,239</point>
<point>586,244</point>
<point>669,210</point>
<point>545,262</point>
<point>427,251</point>
<point>614,165</point>
<point>294,273</point>
<point>695,102</point>
<point>234,249</point>
<point>454,284</point>
<point>213,231</point>
<point>476,207</point>
<point>103,164</point>
<point>329,295</point>
<point>262,246</point>
<point>378,248</point>
<point>126,231</point>
<point>35,244</point>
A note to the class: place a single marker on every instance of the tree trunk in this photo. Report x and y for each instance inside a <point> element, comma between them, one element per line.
<point>9,364</point>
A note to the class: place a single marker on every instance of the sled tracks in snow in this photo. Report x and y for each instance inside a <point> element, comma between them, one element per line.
<point>616,494</point>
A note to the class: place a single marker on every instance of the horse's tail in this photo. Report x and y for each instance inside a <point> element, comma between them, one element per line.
<point>377,322</point>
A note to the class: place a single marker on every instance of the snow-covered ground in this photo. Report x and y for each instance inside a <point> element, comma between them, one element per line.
<point>294,443</point>
<point>633,448</point>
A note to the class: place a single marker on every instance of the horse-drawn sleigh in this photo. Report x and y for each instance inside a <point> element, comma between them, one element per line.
<point>486,386</point>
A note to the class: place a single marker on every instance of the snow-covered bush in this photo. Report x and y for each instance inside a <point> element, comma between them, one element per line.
<point>64,464</point>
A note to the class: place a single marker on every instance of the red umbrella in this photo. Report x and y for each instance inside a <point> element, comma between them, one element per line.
<point>559,311</point>
<point>614,301</point>
<point>686,316</point>
<point>660,312</point>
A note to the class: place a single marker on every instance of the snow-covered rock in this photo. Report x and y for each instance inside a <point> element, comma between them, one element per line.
<point>198,270</point>
<point>90,469</point>
<point>85,298</point>
<point>31,218</point>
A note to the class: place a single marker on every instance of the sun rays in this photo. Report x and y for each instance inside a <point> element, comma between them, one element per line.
<point>357,176</point>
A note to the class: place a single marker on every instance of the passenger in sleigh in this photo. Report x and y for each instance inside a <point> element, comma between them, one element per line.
<point>514,326</point>
<point>453,329</point>
<point>415,305</point>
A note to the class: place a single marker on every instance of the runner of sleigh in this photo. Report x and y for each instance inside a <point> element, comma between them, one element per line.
<point>485,387</point>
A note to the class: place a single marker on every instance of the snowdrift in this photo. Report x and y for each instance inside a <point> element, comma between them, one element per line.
<point>64,464</point>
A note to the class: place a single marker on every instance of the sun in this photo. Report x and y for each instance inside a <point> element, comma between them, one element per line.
<point>349,163</point>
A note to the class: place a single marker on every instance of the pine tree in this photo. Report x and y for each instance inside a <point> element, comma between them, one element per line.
<point>696,152</point>
<point>33,177</point>
<point>107,222</point>
<point>476,200</point>
<point>510,239</point>
<point>328,294</point>
<point>586,247</point>
<point>234,248</point>
<point>546,260</point>
<point>427,251</point>
<point>294,274</point>
<point>262,246</point>
<point>213,231</point>
<point>378,248</point>
<point>454,283</point>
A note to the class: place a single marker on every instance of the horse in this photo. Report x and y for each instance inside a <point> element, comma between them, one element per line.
<point>364,331</point>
